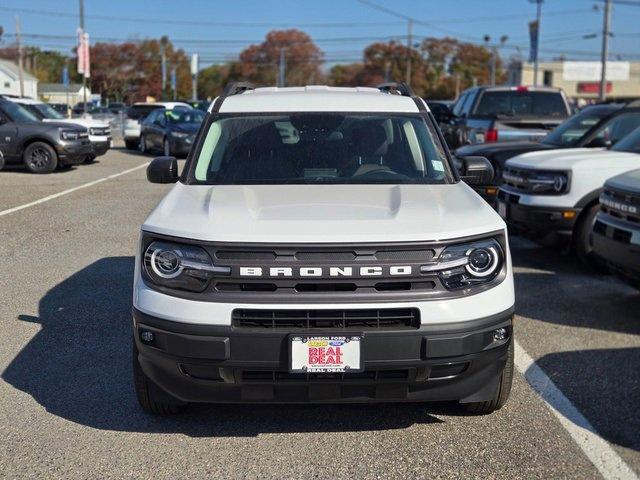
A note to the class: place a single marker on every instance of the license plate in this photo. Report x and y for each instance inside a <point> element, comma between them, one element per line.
<point>502,209</point>
<point>326,353</point>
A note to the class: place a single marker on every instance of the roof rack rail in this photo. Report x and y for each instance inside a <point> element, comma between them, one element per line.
<point>396,88</point>
<point>235,88</point>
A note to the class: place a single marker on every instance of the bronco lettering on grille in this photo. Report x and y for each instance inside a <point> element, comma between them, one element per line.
<point>366,271</point>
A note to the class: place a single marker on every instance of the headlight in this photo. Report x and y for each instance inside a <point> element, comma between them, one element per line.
<point>69,134</point>
<point>180,134</point>
<point>532,181</point>
<point>548,182</point>
<point>181,267</point>
<point>465,265</point>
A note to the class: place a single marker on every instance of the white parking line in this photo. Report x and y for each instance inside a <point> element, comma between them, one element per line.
<point>70,190</point>
<point>596,448</point>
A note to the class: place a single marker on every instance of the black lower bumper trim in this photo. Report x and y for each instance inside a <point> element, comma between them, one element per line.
<point>197,363</point>
<point>545,225</point>
<point>622,256</point>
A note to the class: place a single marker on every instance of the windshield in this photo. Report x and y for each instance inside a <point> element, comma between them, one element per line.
<point>194,117</point>
<point>17,113</point>
<point>570,132</point>
<point>521,103</point>
<point>321,148</point>
<point>46,111</point>
<point>630,143</point>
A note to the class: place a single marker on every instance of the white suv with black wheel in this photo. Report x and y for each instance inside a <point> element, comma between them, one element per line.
<point>319,247</point>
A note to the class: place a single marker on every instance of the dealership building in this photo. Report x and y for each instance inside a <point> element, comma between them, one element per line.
<point>580,79</point>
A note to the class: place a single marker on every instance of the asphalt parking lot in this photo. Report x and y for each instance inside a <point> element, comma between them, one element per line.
<point>67,406</point>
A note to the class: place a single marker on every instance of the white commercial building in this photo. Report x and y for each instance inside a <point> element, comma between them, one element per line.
<point>10,80</point>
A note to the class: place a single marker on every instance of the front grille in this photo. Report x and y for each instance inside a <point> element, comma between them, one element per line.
<point>359,319</point>
<point>621,205</point>
<point>330,255</point>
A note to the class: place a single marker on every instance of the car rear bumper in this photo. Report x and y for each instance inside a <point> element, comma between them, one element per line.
<point>619,245</point>
<point>546,225</point>
<point>204,363</point>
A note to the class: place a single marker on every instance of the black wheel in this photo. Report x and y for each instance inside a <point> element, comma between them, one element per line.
<point>166,147</point>
<point>89,159</point>
<point>1,160</point>
<point>40,157</point>
<point>152,398</point>
<point>582,240</point>
<point>502,394</point>
<point>142,145</point>
<point>131,144</point>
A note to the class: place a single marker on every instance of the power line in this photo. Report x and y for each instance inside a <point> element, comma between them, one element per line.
<point>206,23</point>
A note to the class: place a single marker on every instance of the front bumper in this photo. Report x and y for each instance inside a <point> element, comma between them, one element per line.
<point>74,153</point>
<point>100,147</point>
<point>205,363</point>
<point>618,244</point>
<point>546,225</point>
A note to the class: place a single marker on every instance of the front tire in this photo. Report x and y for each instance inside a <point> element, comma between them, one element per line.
<point>131,144</point>
<point>152,398</point>
<point>40,157</point>
<point>502,394</point>
<point>582,241</point>
<point>89,159</point>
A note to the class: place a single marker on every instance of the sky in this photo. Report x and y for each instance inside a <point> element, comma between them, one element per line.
<point>218,30</point>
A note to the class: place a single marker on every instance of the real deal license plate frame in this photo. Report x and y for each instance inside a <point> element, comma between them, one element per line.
<point>334,353</point>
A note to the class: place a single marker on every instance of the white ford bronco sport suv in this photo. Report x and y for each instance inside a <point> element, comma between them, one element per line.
<point>552,196</point>
<point>317,247</point>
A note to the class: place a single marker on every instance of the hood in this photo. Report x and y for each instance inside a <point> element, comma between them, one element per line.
<point>322,213</point>
<point>40,126</point>
<point>628,182</point>
<point>484,149</point>
<point>82,122</point>
<point>557,159</point>
<point>186,127</point>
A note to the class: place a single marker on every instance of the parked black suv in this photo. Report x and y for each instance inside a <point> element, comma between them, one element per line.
<point>40,146</point>
<point>596,126</point>
<point>491,114</point>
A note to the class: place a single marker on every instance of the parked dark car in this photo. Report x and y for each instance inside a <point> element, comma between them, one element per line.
<point>78,108</point>
<point>40,146</point>
<point>595,126</point>
<point>116,107</point>
<point>441,110</point>
<point>170,131</point>
<point>491,114</point>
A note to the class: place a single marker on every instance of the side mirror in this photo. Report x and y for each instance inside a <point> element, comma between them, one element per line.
<point>163,170</point>
<point>476,170</point>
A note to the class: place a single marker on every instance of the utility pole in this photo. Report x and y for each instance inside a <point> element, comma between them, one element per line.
<point>281,69</point>
<point>84,77</point>
<point>409,42</point>
<point>194,76</point>
<point>606,27</point>
<point>535,58</point>
<point>20,55</point>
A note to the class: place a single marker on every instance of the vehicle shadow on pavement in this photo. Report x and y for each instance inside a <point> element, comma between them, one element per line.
<point>607,392</point>
<point>78,367</point>
<point>603,384</point>
<point>560,290</point>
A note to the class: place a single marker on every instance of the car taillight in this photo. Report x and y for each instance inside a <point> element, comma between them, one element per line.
<point>491,135</point>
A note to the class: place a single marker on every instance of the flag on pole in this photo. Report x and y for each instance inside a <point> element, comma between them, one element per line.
<point>83,53</point>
